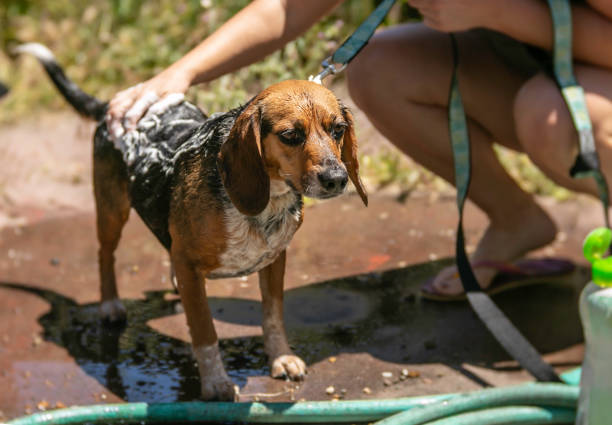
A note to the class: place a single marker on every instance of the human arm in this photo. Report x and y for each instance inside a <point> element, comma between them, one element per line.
<point>528,21</point>
<point>256,31</point>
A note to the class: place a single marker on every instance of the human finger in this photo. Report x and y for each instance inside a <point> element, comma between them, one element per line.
<point>114,116</point>
<point>138,109</point>
<point>117,108</point>
<point>166,102</point>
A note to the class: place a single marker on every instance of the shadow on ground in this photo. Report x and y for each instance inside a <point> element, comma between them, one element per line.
<point>377,313</point>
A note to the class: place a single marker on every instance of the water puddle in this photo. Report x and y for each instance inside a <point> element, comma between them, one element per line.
<point>376,313</point>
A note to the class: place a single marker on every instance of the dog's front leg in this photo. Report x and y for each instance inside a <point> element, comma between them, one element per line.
<point>216,385</point>
<point>283,362</point>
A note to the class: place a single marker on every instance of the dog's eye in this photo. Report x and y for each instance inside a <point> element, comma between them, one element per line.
<point>291,137</point>
<point>337,131</point>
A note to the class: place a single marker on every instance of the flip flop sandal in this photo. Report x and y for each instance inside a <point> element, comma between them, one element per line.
<point>510,276</point>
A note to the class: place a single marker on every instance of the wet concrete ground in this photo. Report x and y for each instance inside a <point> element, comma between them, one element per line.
<point>352,311</point>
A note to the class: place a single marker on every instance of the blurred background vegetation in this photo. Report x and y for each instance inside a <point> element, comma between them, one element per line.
<point>109,45</point>
<point>113,44</point>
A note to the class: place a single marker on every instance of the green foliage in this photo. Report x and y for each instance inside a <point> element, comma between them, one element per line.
<point>109,45</point>
<point>389,167</point>
<point>528,176</point>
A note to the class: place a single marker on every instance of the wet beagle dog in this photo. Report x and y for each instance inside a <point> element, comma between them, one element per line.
<point>223,194</point>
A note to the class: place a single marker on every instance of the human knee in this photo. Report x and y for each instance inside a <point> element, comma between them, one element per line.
<point>407,61</point>
<point>542,122</point>
<point>361,74</point>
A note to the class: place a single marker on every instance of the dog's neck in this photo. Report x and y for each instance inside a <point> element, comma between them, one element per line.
<point>278,188</point>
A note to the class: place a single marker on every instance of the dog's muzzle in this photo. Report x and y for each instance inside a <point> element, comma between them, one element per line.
<point>333,180</point>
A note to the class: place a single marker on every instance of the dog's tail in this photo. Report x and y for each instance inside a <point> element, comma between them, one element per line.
<point>84,103</point>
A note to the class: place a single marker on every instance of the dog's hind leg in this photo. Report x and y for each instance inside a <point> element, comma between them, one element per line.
<point>112,211</point>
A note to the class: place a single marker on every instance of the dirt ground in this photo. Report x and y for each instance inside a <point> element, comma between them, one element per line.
<point>353,310</point>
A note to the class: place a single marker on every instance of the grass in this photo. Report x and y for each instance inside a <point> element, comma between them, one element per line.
<point>528,176</point>
<point>389,168</point>
<point>110,45</point>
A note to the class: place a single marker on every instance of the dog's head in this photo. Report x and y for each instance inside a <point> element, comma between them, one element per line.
<point>296,132</point>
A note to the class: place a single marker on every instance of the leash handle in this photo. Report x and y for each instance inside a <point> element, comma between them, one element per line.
<point>587,161</point>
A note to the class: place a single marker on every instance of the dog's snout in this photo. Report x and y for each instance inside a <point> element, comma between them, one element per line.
<point>333,179</point>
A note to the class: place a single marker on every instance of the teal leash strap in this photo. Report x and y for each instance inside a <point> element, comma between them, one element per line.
<point>495,320</point>
<point>586,165</point>
<point>587,162</point>
<point>353,45</point>
<point>489,313</point>
<point>460,143</point>
<point>349,49</point>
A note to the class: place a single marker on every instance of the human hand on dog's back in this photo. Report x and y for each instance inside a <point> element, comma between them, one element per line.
<point>256,31</point>
<point>128,106</point>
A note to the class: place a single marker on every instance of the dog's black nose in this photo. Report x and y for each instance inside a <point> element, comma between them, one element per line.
<point>333,179</point>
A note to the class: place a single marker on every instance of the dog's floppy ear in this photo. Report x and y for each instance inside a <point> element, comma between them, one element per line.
<point>349,155</point>
<point>241,164</point>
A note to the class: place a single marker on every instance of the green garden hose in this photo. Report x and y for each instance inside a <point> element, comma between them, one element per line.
<point>304,412</point>
<point>512,415</point>
<point>550,395</point>
<point>555,404</point>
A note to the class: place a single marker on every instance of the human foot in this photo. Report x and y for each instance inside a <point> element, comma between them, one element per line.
<point>502,243</point>
<point>527,271</point>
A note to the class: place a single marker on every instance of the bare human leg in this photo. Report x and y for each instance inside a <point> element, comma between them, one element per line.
<point>401,80</point>
<point>546,132</point>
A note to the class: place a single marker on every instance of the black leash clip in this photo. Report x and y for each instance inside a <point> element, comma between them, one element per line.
<point>329,68</point>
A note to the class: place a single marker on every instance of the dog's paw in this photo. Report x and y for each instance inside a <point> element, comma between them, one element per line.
<point>288,366</point>
<point>220,390</point>
<point>113,311</point>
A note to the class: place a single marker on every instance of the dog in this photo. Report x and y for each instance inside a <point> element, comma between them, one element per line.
<point>223,194</point>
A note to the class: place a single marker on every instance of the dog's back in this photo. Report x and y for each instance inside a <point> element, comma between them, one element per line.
<point>160,146</point>
<point>150,153</point>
